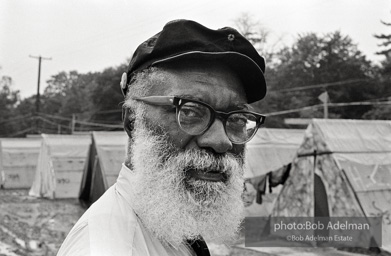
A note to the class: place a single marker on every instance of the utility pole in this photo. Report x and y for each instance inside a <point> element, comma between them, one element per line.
<point>324,97</point>
<point>325,110</point>
<point>37,100</point>
<point>73,123</point>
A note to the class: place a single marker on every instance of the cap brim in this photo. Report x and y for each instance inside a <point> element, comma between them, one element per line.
<point>249,72</point>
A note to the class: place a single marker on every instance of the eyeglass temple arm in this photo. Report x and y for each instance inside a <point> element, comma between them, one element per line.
<point>156,100</point>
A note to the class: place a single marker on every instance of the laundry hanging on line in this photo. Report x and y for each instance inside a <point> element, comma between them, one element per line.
<point>274,178</point>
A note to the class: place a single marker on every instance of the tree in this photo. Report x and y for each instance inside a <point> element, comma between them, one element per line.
<point>314,60</point>
<point>384,73</point>
<point>107,97</point>
<point>25,111</point>
<point>8,101</point>
<point>257,34</point>
<point>91,97</point>
<point>386,42</point>
<point>252,30</point>
<point>66,95</point>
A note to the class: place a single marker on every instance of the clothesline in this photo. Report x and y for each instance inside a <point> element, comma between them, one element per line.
<point>274,178</point>
<point>318,153</point>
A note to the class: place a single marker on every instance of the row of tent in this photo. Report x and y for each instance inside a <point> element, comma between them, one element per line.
<point>71,166</point>
<point>56,166</point>
<point>338,168</point>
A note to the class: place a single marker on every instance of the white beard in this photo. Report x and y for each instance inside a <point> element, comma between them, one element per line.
<point>175,207</point>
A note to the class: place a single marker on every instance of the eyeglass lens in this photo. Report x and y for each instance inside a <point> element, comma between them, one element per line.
<point>240,127</point>
<point>194,118</point>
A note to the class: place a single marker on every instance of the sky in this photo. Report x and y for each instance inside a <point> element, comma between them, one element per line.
<point>91,35</point>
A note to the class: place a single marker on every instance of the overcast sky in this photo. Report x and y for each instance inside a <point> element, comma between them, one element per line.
<point>90,35</point>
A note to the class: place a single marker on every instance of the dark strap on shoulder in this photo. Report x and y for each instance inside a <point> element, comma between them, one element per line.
<point>199,246</point>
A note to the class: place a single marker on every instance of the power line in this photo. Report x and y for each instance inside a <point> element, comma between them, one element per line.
<point>283,112</point>
<point>319,153</point>
<point>10,120</point>
<point>343,104</point>
<point>84,122</point>
<point>53,123</point>
<point>20,132</point>
<point>363,103</point>
<point>56,117</point>
<point>100,125</point>
<point>108,111</point>
<point>350,81</point>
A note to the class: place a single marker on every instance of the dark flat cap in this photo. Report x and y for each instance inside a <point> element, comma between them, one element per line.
<point>181,39</point>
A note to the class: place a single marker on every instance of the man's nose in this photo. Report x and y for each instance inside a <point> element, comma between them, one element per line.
<point>215,138</point>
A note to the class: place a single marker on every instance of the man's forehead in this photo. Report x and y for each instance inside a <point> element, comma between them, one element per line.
<point>211,84</point>
<point>233,105</point>
<point>201,72</point>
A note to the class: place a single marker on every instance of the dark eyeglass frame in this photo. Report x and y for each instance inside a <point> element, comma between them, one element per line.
<point>178,102</point>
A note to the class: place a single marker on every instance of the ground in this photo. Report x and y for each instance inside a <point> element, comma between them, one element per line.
<point>31,226</point>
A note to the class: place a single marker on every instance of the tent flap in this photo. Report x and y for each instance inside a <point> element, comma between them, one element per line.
<point>60,166</point>
<point>18,161</point>
<point>107,153</point>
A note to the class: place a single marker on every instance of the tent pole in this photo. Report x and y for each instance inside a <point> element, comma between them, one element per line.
<point>313,182</point>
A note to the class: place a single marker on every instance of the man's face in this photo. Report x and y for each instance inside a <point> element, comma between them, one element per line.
<point>215,85</point>
<point>180,188</point>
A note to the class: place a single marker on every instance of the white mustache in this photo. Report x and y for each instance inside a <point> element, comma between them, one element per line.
<point>206,162</point>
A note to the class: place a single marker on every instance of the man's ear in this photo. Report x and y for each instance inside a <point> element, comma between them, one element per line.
<point>123,83</point>
<point>128,118</point>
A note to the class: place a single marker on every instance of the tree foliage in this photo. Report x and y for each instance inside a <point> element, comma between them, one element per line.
<point>107,96</point>
<point>89,97</point>
<point>384,77</point>
<point>319,60</point>
<point>257,34</point>
<point>385,42</point>
<point>8,101</point>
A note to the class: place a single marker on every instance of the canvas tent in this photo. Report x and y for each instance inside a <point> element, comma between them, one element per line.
<point>107,153</point>
<point>18,161</point>
<point>60,166</point>
<point>343,169</point>
<point>268,151</point>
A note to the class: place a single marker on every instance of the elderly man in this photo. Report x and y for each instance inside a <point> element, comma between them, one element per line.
<point>187,116</point>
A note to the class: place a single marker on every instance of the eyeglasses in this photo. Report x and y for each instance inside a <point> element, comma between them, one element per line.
<point>195,117</point>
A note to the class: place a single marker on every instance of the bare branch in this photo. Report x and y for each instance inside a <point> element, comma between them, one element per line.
<point>385,23</point>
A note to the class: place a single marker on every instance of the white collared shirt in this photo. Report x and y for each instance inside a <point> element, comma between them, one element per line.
<point>111,227</point>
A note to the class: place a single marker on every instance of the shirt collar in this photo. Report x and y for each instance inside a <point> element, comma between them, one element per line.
<point>124,183</point>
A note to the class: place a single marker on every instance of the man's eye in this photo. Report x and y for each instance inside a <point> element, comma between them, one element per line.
<point>191,112</point>
<point>238,120</point>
